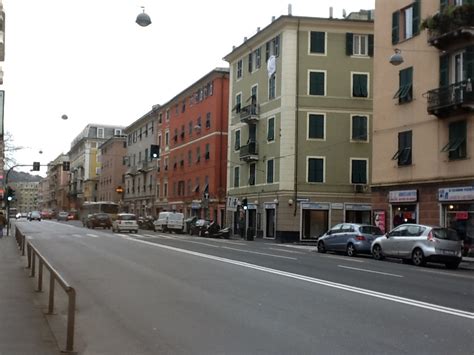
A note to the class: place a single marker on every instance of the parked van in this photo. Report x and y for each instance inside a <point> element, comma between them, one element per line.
<point>170,221</point>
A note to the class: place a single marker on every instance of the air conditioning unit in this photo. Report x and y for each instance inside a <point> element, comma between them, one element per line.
<point>360,188</point>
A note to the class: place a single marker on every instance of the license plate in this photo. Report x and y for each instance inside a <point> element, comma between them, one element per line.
<point>448,252</point>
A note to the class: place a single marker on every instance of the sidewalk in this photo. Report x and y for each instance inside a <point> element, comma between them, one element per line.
<point>23,327</point>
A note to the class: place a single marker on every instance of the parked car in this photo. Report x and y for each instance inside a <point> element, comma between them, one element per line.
<point>125,222</point>
<point>199,227</point>
<point>98,220</point>
<point>351,238</point>
<point>169,221</point>
<point>72,216</point>
<point>47,214</point>
<point>420,244</point>
<point>62,216</point>
<point>34,216</point>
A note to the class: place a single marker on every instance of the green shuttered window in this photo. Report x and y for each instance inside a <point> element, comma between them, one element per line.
<point>315,170</point>
<point>317,42</point>
<point>316,126</point>
<point>360,85</point>
<point>359,171</point>
<point>359,128</point>
<point>317,83</point>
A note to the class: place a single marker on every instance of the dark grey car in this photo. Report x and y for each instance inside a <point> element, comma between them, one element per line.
<point>351,238</point>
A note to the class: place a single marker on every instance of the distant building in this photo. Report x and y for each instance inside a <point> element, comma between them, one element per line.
<point>300,111</point>
<point>84,167</point>
<point>111,156</point>
<point>26,196</point>
<point>56,197</point>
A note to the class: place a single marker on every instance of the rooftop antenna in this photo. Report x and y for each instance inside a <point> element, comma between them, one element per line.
<point>330,12</point>
<point>344,13</point>
<point>289,10</point>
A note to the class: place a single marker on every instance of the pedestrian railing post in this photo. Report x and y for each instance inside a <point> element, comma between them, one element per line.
<point>51,293</point>
<point>40,275</point>
<point>33,264</point>
<point>71,319</point>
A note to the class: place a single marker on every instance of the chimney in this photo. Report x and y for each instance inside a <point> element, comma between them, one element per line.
<point>273,18</point>
<point>289,10</point>
<point>344,13</point>
<point>245,39</point>
<point>258,29</point>
<point>330,12</point>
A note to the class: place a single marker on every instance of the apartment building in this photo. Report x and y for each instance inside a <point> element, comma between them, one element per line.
<point>139,189</point>
<point>111,157</point>
<point>84,168</point>
<point>299,152</point>
<point>423,131</point>
<point>192,135</point>
<point>56,196</point>
<point>26,196</point>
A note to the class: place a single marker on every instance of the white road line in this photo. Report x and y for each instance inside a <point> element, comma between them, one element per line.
<point>380,295</point>
<point>287,251</point>
<point>92,235</point>
<point>372,271</point>
<point>76,235</point>
<point>341,258</point>
<point>256,252</point>
<point>446,274</point>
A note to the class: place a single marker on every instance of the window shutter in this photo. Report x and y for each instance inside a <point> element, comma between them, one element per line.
<point>443,70</point>
<point>267,51</point>
<point>468,64</point>
<point>371,45</point>
<point>395,27</point>
<point>317,44</point>
<point>349,44</point>
<point>316,83</point>
<point>359,172</point>
<point>250,62</point>
<point>416,17</point>
<point>316,126</point>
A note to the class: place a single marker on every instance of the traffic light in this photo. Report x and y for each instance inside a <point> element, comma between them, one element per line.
<point>66,166</point>
<point>36,166</point>
<point>10,193</point>
<point>154,151</point>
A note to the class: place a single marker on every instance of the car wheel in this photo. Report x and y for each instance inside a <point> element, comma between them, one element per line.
<point>417,257</point>
<point>351,250</point>
<point>452,265</point>
<point>377,252</point>
<point>321,247</point>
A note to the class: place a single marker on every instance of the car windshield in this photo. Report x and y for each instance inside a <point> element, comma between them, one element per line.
<point>371,230</point>
<point>127,217</point>
<point>445,233</point>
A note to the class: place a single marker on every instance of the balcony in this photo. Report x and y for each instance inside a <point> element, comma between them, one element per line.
<point>249,152</point>
<point>132,170</point>
<point>451,28</point>
<point>249,114</point>
<point>451,100</point>
<point>143,166</point>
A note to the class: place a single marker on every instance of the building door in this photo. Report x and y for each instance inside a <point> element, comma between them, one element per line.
<point>270,223</point>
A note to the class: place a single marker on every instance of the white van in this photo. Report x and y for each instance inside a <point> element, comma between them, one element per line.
<point>170,221</point>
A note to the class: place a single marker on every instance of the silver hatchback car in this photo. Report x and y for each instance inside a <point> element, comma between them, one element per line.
<point>420,244</point>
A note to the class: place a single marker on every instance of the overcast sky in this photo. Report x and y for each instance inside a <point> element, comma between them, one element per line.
<point>88,59</point>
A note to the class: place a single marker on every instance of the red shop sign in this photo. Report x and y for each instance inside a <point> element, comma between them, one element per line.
<point>462,215</point>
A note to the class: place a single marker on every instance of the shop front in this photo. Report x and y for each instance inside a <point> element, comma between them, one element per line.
<point>404,207</point>
<point>314,220</point>
<point>457,210</point>
<point>358,213</point>
<point>270,220</point>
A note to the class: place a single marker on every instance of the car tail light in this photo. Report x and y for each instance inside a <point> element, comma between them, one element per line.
<point>431,238</point>
<point>360,237</point>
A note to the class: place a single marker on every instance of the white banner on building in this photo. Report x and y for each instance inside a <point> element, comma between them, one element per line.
<point>465,193</point>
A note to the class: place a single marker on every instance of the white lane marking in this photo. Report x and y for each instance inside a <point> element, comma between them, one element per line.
<point>76,235</point>
<point>287,251</point>
<point>92,235</point>
<point>341,258</point>
<point>375,294</point>
<point>256,252</point>
<point>372,271</point>
<point>446,274</point>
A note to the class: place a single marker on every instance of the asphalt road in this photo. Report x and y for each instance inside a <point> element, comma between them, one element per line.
<point>155,293</point>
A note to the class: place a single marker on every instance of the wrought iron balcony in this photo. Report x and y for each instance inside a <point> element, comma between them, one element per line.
<point>143,166</point>
<point>249,152</point>
<point>451,28</point>
<point>450,100</point>
<point>249,114</point>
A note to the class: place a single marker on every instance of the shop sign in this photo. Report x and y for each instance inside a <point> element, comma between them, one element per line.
<point>357,207</point>
<point>462,215</point>
<point>379,219</point>
<point>337,206</point>
<point>270,206</point>
<point>315,206</point>
<point>403,196</point>
<point>251,206</point>
<point>232,203</point>
<point>195,205</point>
<point>456,193</point>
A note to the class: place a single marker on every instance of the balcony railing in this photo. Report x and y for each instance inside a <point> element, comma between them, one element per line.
<point>249,152</point>
<point>449,100</point>
<point>249,114</point>
<point>451,27</point>
<point>143,166</point>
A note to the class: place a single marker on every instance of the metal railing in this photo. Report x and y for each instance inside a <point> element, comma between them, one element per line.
<point>54,277</point>
<point>448,96</point>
